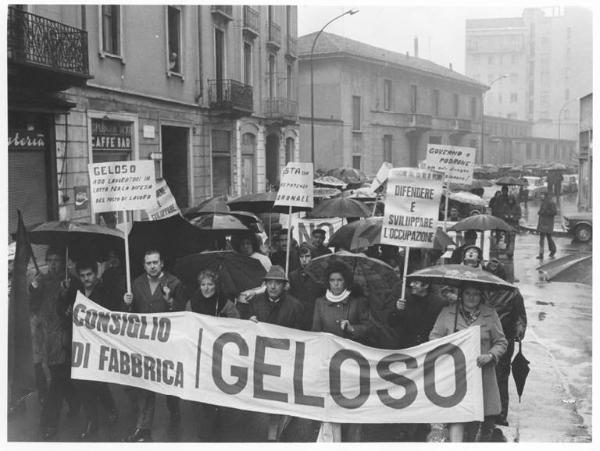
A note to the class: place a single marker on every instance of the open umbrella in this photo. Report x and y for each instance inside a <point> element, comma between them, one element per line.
<point>467,198</point>
<point>457,275</point>
<point>261,203</point>
<point>340,207</point>
<point>237,272</point>
<point>329,181</point>
<point>520,370</point>
<point>352,177</point>
<point>557,167</point>
<point>362,194</point>
<point>481,223</point>
<point>324,193</point>
<point>219,223</point>
<point>571,268</point>
<point>217,204</point>
<point>510,181</point>
<point>374,277</point>
<point>477,183</point>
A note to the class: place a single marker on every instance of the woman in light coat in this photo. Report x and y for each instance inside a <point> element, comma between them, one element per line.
<point>470,311</point>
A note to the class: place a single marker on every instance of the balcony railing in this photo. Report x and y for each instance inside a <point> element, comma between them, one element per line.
<point>274,38</point>
<point>419,120</point>
<point>225,11</point>
<point>251,21</point>
<point>280,108</point>
<point>292,44</point>
<point>230,96</point>
<point>462,125</point>
<point>37,41</point>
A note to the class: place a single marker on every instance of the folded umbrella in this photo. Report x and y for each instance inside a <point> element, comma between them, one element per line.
<point>520,370</point>
<point>237,272</point>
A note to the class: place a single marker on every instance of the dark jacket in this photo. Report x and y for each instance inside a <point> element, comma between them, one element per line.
<point>306,290</point>
<point>546,215</point>
<point>512,213</point>
<point>510,308</point>
<point>328,315</point>
<point>286,312</point>
<point>278,258</point>
<point>214,306</point>
<point>319,251</point>
<point>146,302</point>
<point>415,322</point>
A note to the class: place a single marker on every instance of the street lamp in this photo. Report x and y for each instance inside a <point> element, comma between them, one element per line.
<point>482,113</point>
<point>312,85</point>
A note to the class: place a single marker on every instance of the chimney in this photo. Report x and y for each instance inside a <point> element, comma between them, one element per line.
<point>416,47</point>
<point>450,66</point>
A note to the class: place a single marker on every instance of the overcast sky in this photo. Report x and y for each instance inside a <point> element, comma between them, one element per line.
<point>440,29</point>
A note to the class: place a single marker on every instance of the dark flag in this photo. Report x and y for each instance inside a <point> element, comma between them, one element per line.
<point>21,379</point>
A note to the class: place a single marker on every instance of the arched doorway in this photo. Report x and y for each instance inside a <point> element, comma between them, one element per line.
<point>272,159</point>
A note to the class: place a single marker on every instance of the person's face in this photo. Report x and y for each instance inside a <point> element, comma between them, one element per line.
<point>305,259</point>
<point>493,265</point>
<point>54,263</point>
<point>318,239</point>
<point>275,288</point>
<point>471,298</point>
<point>471,257</point>
<point>113,260</point>
<point>246,247</point>
<point>453,213</point>
<point>418,288</point>
<point>207,287</point>
<point>337,284</point>
<point>283,241</point>
<point>505,191</point>
<point>88,277</point>
<point>153,265</point>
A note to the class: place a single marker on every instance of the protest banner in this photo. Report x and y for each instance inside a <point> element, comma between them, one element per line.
<point>267,368</point>
<point>412,203</point>
<point>302,228</point>
<point>381,176</point>
<point>295,190</point>
<point>166,206</point>
<point>122,185</point>
<point>456,162</point>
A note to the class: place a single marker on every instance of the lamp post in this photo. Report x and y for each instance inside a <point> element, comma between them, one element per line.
<point>312,85</point>
<point>482,114</point>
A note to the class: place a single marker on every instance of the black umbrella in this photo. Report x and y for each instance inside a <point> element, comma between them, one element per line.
<point>217,204</point>
<point>520,370</point>
<point>261,203</point>
<point>510,181</point>
<point>340,207</point>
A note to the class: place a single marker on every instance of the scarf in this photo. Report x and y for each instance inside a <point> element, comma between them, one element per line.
<point>470,317</point>
<point>339,298</point>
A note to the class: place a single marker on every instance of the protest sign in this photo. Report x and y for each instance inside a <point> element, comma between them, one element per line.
<point>456,162</point>
<point>302,228</point>
<point>381,176</point>
<point>267,368</point>
<point>122,185</point>
<point>412,203</point>
<point>296,187</point>
<point>166,206</point>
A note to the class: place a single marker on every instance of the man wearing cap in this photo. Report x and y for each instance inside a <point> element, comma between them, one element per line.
<point>304,288</point>
<point>317,246</point>
<point>274,306</point>
<point>472,256</point>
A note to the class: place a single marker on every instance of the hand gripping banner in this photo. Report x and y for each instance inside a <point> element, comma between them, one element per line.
<point>266,368</point>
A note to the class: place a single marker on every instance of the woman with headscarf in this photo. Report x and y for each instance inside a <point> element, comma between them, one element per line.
<point>209,300</point>
<point>469,311</point>
<point>344,313</point>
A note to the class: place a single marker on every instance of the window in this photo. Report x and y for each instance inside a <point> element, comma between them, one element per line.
<point>436,102</point>
<point>491,59</point>
<point>247,63</point>
<point>547,152</point>
<point>356,162</point>
<point>514,97</point>
<point>413,98</point>
<point>435,140</point>
<point>387,95</point>
<point>111,29</point>
<point>387,148</point>
<point>271,79</point>
<point>221,162</point>
<point>567,94</point>
<point>473,107</point>
<point>456,105</point>
<point>528,151</point>
<point>290,81</point>
<point>538,151</point>
<point>355,113</point>
<point>174,34</point>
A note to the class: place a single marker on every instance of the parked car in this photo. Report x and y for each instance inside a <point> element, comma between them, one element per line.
<point>570,183</point>
<point>535,186</point>
<point>579,226</point>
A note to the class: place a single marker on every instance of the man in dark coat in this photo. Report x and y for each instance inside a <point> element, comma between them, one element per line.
<point>545,225</point>
<point>278,257</point>
<point>92,393</point>
<point>155,291</point>
<point>305,288</point>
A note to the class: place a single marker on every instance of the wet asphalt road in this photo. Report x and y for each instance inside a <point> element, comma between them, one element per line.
<point>556,404</point>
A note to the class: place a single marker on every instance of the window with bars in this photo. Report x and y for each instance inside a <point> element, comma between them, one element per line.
<point>111,29</point>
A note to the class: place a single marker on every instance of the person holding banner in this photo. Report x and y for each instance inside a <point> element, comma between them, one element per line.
<point>155,291</point>
<point>345,314</point>
<point>471,311</point>
<point>208,300</point>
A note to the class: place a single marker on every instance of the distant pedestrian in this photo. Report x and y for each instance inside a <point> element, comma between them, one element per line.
<point>545,226</point>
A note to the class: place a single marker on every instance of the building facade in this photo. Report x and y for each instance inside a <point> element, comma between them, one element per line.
<point>586,135</point>
<point>207,92</point>
<point>372,105</point>
<point>546,56</point>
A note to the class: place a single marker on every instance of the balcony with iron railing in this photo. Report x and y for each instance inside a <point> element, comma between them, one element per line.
<point>274,38</point>
<point>230,97</point>
<point>292,44</point>
<point>224,11</point>
<point>40,49</point>
<point>251,24</point>
<point>280,109</point>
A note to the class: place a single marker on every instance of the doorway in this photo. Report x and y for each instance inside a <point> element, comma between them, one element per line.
<point>174,143</point>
